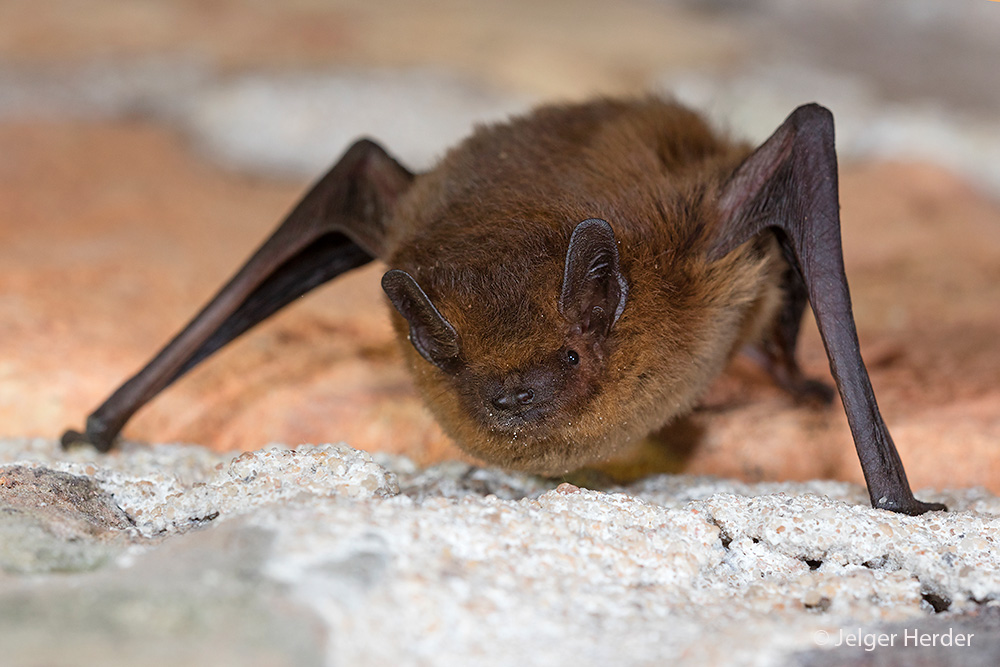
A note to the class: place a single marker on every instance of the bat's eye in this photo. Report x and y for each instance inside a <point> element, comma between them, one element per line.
<point>572,357</point>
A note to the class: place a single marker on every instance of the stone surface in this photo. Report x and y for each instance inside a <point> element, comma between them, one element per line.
<point>198,599</point>
<point>116,221</point>
<point>54,521</point>
<point>469,565</point>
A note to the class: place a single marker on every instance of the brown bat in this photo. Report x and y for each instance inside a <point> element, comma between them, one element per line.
<point>573,279</point>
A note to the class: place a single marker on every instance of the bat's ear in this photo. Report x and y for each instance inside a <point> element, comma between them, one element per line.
<point>593,289</point>
<point>432,336</point>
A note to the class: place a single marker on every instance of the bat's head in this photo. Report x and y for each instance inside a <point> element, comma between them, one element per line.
<point>512,370</point>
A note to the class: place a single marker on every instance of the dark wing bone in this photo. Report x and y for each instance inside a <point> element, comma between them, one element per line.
<point>338,225</point>
<point>789,184</point>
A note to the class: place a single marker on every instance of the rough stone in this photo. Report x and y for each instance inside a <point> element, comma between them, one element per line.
<point>158,496</point>
<point>476,565</point>
<point>55,521</point>
<point>198,599</point>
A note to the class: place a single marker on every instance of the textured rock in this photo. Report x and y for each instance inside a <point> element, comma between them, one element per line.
<point>198,599</point>
<point>54,521</point>
<point>176,488</point>
<point>471,565</point>
<point>110,201</point>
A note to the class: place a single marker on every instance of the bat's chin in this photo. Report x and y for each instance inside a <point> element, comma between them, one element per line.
<point>548,435</point>
<point>523,422</point>
<point>539,440</point>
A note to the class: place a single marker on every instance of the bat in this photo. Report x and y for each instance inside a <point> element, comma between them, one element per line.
<point>572,279</point>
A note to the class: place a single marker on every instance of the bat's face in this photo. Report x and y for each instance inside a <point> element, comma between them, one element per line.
<point>512,358</point>
<point>524,400</point>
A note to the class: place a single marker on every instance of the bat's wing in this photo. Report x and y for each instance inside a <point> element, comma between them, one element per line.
<point>336,227</point>
<point>789,184</point>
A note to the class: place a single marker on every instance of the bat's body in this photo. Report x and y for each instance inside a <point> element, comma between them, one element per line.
<point>486,234</point>
<point>574,279</point>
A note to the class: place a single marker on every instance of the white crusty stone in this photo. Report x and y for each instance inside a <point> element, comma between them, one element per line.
<point>457,565</point>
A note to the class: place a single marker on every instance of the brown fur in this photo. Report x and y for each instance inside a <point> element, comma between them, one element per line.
<point>485,235</point>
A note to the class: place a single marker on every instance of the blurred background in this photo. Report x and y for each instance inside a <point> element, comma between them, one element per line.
<point>146,147</point>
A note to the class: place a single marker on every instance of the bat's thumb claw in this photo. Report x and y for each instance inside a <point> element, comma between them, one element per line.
<point>920,507</point>
<point>909,505</point>
<point>73,438</point>
<point>934,507</point>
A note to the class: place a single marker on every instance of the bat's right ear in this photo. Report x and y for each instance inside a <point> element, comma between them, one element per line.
<point>593,290</point>
<point>430,333</point>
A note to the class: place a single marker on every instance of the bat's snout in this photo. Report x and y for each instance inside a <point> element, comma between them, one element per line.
<point>517,400</point>
<point>512,400</point>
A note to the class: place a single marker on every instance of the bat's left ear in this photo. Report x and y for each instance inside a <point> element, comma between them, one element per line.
<point>594,289</point>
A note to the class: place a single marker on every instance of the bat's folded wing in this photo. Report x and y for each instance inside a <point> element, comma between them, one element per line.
<point>789,185</point>
<point>338,225</point>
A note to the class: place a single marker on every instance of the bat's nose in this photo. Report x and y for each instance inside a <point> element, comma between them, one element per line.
<point>510,400</point>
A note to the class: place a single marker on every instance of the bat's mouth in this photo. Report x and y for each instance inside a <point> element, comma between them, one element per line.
<point>523,421</point>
